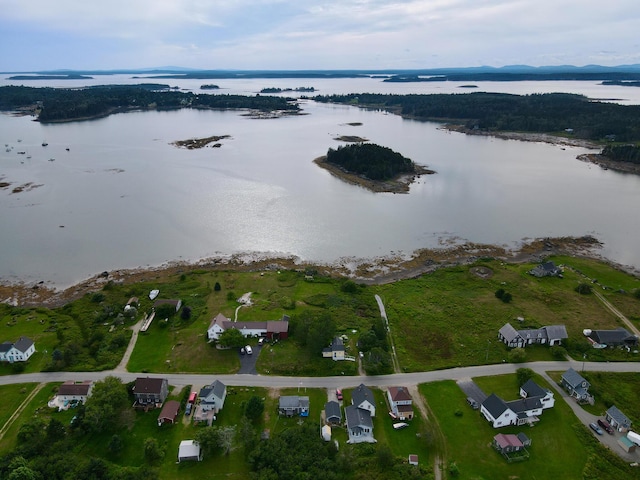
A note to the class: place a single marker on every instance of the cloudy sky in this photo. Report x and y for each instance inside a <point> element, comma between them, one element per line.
<point>302,34</point>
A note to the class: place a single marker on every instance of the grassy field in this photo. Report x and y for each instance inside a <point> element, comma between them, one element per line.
<point>556,451</point>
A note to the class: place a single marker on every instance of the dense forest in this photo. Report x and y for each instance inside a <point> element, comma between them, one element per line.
<point>622,153</point>
<point>554,113</point>
<point>370,160</point>
<point>57,104</point>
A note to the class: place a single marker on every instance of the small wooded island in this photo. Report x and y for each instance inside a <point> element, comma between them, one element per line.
<point>372,166</point>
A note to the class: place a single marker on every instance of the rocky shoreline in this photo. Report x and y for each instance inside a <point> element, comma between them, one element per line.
<point>366,271</point>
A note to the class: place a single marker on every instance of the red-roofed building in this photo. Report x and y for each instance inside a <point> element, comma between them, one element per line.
<point>400,402</point>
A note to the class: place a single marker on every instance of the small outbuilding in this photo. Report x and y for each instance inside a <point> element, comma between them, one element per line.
<point>326,433</point>
<point>189,450</point>
<point>413,459</point>
<point>169,412</point>
<point>627,445</point>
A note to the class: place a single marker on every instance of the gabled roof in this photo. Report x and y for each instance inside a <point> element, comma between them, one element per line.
<point>613,337</point>
<point>618,416</point>
<point>148,385</point>
<point>75,388</point>
<point>524,404</point>
<point>538,333</point>
<point>357,417</point>
<point>219,320</point>
<point>399,394</point>
<point>362,394</point>
<point>505,440</point>
<point>526,441</point>
<point>293,401</point>
<point>278,326</point>
<point>217,388</point>
<point>509,333</point>
<point>495,405</point>
<point>169,410</point>
<point>556,332</point>
<point>5,347</point>
<point>573,378</point>
<point>532,389</point>
<point>23,344</point>
<point>332,410</point>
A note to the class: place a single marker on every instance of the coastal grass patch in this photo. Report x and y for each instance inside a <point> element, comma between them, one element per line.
<point>12,397</point>
<point>556,450</point>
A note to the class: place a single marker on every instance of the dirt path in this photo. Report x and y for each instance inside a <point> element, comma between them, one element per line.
<point>19,410</point>
<point>122,366</point>
<point>421,405</point>
<point>617,313</point>
<point>383,314</point>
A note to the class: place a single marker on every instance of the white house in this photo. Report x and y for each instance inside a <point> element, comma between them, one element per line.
<point>359,425</point>
<point>531,389</point>
<point>400,402</point>
<point>70,393</point>
<point>212,397</point>
<point>189,450</point>
<point>534,399</point>
<point>362,398</point>
<point>335,351</point>
<point>272,329</point>
<point>20,351</point>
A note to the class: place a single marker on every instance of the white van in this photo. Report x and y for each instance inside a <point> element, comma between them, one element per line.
<point>248,350</point>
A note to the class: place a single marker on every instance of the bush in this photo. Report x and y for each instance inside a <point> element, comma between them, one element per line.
<point>500,293</point>
<point>217,287</point>
<point>517,355</point>
<point>559,353</point>
<point>583,289</point>
<point>507,297</point>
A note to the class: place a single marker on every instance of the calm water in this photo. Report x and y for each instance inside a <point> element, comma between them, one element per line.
<point>122,196</point>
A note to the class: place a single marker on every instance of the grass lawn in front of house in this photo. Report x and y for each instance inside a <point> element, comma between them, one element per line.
<point>556,451</point>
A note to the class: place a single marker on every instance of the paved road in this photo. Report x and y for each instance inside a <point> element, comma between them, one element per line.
<point>182,379</point>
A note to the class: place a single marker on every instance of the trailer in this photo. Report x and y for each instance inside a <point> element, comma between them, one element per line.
<point>634,437</point>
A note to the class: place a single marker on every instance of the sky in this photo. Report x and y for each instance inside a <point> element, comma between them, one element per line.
<point>300,34</point>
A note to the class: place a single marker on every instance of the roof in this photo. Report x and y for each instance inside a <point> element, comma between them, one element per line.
<point>148,385</point>
<point>618,416</point>
<point>524,404</point>
<point>167,301</point>
<point>532,389</point>
<point>524,439</point>
<point>278,326</point>
<point>219,320</point>
<point>227,324</point>
<point>613,337</point>
<point>399,394</point>
<point>332,410</point>
<point>219,388</point>
<point>189,449</point>
<point>5,347</point>
<point>540,333</point>
<point>337,345</point>
<point>505,440</point>
<point>508,332</point>
<point>23,344</point>
<point>556,331</point>
<point>75,388</point>
<point>362,394</point>
<point>169,410</point>
<point>494,405</point>
<point>293,401</point>
<point>357,417</point>
<point>573,378</point>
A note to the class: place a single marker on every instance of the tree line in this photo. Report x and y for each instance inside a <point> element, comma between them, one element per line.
<point>370,160</point>
<point>555,113</point>
<point>57,104</point>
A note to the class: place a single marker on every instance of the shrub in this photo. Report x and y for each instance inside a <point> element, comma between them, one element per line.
<point>217,287</point>
<point>517,355</point>
<point>583,289</point>
<point>507,297</point>
<point>500,293</point>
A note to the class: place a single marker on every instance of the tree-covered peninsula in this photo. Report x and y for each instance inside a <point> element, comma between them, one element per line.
<point>372,166</point>
<point>554,113</point>
<point>61,104</point>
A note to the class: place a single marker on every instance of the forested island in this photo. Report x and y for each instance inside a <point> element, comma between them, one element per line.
<point>372,166</point>
<point>60,105</point>
<point>280,90</point>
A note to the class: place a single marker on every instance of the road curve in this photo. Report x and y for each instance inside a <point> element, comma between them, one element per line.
<point>244,380</point>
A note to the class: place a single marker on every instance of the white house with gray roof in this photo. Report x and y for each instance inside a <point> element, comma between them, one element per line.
<point>525,410</point>
<point>212,396</point>
<point>549,335</point>
<point>359,425</point>
<point>291,405</point>
<point>20,351</point>
<point>362,398</point>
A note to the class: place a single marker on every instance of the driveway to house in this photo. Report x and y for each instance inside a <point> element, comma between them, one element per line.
<point>471,389</point>
<point>122,366</point>
<point>248,362</point>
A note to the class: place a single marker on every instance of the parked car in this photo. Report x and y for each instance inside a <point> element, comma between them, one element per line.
<point>604,424</point>
<point>248,350</point>
<point>242,351</point>
<point>187,410</point>
<point>261,340</point>
<point>339,394</point>
<point>596,428</point>
<point>472,403</point>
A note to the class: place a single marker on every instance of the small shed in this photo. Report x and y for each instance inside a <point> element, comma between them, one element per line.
<point>189,450</point>
<point>413,459</point>
<point>169,412</point>
<point>326,433</point>
<point>627,445</point>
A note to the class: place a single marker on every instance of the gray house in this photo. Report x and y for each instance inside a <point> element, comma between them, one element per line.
<point>212,397</point>
<point>290,405</point>
<point>362,398</point>
<point>150,391</point>
<point>546,269</point>
<point>617,419</point>
<point>548,335</point>
<point>359,425</point>
<point>576,386</point>
<point>335,351</point>
<point>614,338</point>
<point>333,414</point>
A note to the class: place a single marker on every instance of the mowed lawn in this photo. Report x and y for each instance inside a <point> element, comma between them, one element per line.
<point>556,451</point>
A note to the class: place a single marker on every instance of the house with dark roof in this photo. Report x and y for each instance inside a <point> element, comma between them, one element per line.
<point>359,425</point>
<point>576,385</point>
<point>272,329</point>
<point>20,351</point>
<point>212,396</point>
<point>617,419</point>
<point>333,413</point>
<point>548,335</point>
<point>150,391</point>
<point>525,410</point>
<point>614,338</point>
<point>291,405</point>
<point>71,393</point>
<point>335,351</point>
<point>169,412</point>
<point>546,269</point>
<point>362,398</point>
<point>400,402</point>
